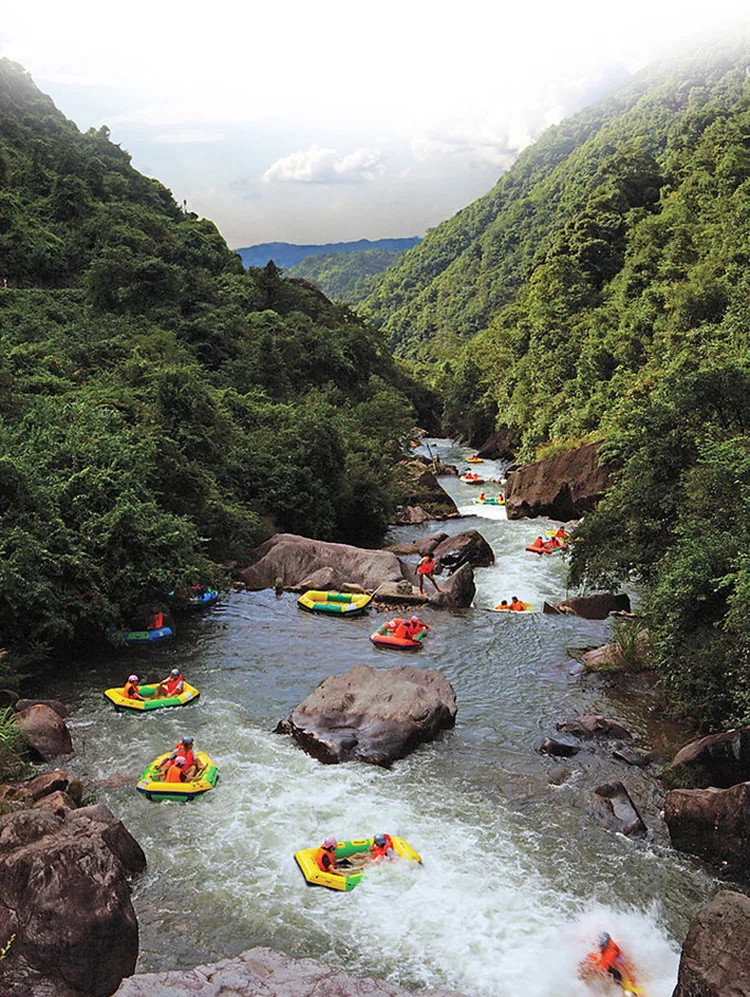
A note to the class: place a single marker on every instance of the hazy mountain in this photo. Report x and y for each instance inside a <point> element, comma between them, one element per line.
<point>286,254</point>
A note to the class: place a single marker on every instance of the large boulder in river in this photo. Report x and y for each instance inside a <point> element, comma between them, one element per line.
<point>456,592</point>
<point>590,607</point>
<point>502,445</point>
<point>420,488</point>
<point>613,801</point>
<point>464,548</point>
<point>562,487</point>
<point>715,959</point>
<point>294,559</point>
<point>45,731</point>
<point>374,716</point>
<point>716,760</point>
<point>713,824</point>
<point>264,973</point>
<point>64,894</point>
<point>423,546</point>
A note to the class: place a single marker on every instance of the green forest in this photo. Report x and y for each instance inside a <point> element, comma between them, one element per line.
<point>162,410</point>
<point>601,291</point>
<point>347,277</point>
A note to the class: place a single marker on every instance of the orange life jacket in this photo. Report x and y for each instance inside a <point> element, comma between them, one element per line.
<point>538,543</point>
<point>320,854</point>
<point>174,774</point>
<point>610,955</point>
<point>517,606</point>
<point>156,621</point>
<point>172,684</point>
<point>427,567</point>
<point>403,630</point>
<point>130,690</point>
<point>381,851</point>
<point>187,753</point>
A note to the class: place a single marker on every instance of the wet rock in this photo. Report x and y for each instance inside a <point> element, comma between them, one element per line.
<point>411,515</point>
<point>638,758</point>
<point>54,704</point>
<point>58,803</point>
<point>55,781</point>
<point>464,548</point>
<point>720,760</point>
<point>456,592</point>
<point>502,445</point>
<point>261,972</point>
<point>321,580</point>
<point>401,593</point>
<point>373,716</point>
<point>561,749</point>
<point>294,559</point>
<point>589,607</point>
<point>562,487</point>
<point>590,725</point>
<point>614,801</point>
<point>421,547</point>
<point>713,824</point>
<point>420,487</point>
<point>715,960</point>
<point>446,471</point>
<point>45,731</point>
<point>64,894</point>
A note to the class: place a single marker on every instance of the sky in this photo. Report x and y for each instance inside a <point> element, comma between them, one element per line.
<point>320,122</point>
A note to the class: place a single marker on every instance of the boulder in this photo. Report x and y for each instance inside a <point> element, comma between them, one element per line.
<point>420,487</point>
<point>562,487</point>
<point>502,445</point>
<point>262,971</point>
<point>713,824</point>
<point>54,704</point>
<point>464,548</point>
<point>322,580</point>
<point>446,471</point>
<point>589,725</point>
<point>560,749</point>
<point>456,591</point>
<point>421,547</point>
<point>621,814</point>
<point>294,559</point>
<point>373,716</point>
<point>720,760</point>
<point>64,894</point>
<point>57,803</point>
<point>411,515</point>
<point>715,960</point>
<point>53,782</point>
<point>401,593</point>
<point>45,731</point>
<point>638,758</point>
<point>589,607</point>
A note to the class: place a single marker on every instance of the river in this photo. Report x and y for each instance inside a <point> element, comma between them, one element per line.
<point>517,874</point>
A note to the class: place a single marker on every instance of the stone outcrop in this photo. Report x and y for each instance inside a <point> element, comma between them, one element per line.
<point>562,487</point>
<point>715,959</point>
<point>446,471</point>
<point>560,749</point>
<point>713,824</point>
<point>421,489</point>
<point>64,894</point>
<point>463,548</point>
<point>46,733</point>
<point>502,445</point>
<point>373,716</point>
<point>456,592</point>
<point>297,559</point>
<point>54,704</point>
<point>590,607</point>
<point>720,760</point>
<point>262,972</point>
<point>590,725</point>
<point>613,802</point>
<point>421,547</point>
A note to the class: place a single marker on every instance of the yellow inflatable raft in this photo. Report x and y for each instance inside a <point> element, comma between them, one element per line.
<point>507,609</point>
<point>121,702</point>
<point>337,603</point>
<point>157,789</point>
<point>357,848</point>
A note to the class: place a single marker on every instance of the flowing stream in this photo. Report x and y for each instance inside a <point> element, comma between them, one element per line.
<point>518,875</point>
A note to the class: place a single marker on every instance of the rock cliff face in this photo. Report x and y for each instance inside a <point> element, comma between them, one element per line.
<point>264,973</point>
<point>712,823</point>
<point>562,487</point>
<point>502,445</point>
<point>374,716</point>
<point>716,760</point>
<point>715,958</point>
<point>64,894</point>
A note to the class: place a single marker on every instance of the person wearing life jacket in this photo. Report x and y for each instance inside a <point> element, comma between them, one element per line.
<point>325,857</point>
<point>403,630</point>
<point>425,569</point>
<point>561,534</point>
<point>608,959</point>
<point>155,621</point>
<point>184,749</point>
<point>172,685</point>
<point>538,543</point>
<point>482,497</point>
<point>382,848</point>
<point>503,605</point>
<point>130,690</point>
<point>176,770</point>
<point>517,605</point>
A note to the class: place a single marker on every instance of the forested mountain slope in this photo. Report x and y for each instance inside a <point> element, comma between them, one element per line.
<point>348,277</point>
<point>287,254</point>
<point>161,409</point>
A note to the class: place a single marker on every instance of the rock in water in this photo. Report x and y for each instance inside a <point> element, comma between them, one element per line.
<point>562,487</point>
<point>720,760</point>
<point>712,823</point>
<point>64,894</point>
<point>45,731</point>
<point>590,725</point>
<point>560,749</point>
<point>456,592</point>
<point>715,959</point>
<point>590,607</point>
<point>264,973</point>
<point>622,814</point>
<point>464,548</point>
<point>374,716</point>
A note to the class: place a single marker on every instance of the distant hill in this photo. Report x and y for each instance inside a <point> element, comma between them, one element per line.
<point>286,254</point>
<point>348,277</point>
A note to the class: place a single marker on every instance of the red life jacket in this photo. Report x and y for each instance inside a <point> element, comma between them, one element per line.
<point>130,690</point>
<point>172,685</point>
<point>611,954</point>
<point>428,567</point>
<point>187,753</point>
<point>325,859</point>
<point>381,851</point>
<point>156,621</point>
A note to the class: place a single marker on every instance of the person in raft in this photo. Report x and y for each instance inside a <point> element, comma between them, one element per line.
<point>176,770</point>
<point>426,569</point>
<point>517,605</point>
<point>155,620</point>
<point>172,685</point>
<point>482,497</point>
<point>325,857</point>
<point>538,543</point>
<point>382,848</point>
<point>503,605</point>
<point>608,959</point>
<point>130,689</point>
<point>184,749</point>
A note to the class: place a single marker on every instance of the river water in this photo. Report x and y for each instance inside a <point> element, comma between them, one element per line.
<point>518,875</point>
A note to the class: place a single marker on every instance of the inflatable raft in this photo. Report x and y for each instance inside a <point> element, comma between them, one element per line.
<point>547,548</point>
<point>121,702</point>
<point>507,609</point>
<point>352,850</point>
<point>194,601</point>
<point>157,789</point>
<point>147,636</point>
<point>471,479</point>
<point>337,603</point>
<point>385,637</point>
<point>492,500</point>
<point>474,460</point>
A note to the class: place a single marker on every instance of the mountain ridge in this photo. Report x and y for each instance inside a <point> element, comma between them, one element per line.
<point>287,254</point>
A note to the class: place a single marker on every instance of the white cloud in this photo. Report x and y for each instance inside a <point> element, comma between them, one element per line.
<point>319,165</point>
<point>188,135</point>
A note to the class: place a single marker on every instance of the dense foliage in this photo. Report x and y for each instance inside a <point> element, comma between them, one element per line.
<point>161,409</point>
<point>602,291</point>
<point>348,277</point>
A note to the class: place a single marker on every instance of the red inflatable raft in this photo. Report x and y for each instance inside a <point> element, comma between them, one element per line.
<point>547,548</point>
<point>385,637</point>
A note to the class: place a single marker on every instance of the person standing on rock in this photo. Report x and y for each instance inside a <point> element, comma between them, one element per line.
<point>426,569</point>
